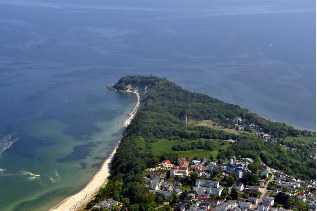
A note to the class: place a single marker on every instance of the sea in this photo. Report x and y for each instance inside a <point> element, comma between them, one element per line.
<point>59,122</point>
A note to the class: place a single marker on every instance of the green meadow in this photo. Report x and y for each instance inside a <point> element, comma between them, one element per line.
<point>165,146</point>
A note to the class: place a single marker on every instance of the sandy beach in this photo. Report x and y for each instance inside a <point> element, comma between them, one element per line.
<point>80,199</point>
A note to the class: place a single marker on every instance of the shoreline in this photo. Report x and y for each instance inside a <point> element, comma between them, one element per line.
<point>80,199</point>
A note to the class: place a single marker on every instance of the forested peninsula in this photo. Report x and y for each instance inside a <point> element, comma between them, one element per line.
<point>172,122</point>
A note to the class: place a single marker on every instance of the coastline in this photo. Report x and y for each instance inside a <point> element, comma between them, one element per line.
<point>80,199</point>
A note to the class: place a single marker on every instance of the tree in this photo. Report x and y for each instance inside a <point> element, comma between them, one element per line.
<point>234,193</point>
<point>224,193</point>
<point>249,178</point>
<point>301,206</point>
<point>254,167</point>
<point>291,201</point>
<point>173,199</point>
<point>216,171</point>
<point>281,198</point>
<point>231,180</point>
<point>211,157</point>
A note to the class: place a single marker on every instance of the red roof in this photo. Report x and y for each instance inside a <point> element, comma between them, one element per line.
<point>184,164</point>
<point>301,194</point>
<point>167,161</point>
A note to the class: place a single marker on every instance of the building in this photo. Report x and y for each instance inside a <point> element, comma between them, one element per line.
<point>208,190</point>
<point>198,167</point>
<point>301,196</point>
<point>264,174</point>
<point>167,186</point>
<point>268,201</point>
<point>238,169</point>
<point>228,205</point>
<point>108,204</point>
<point>155,184</point>
<point>207,183</point>
<point>245,205</point>
<point>167,164</point>
<point>179,171</point>
<point>216,191</point>
<point>210,167</point>
<point>196,162</point>
<point>263,208</point>
<point>239,186</point>
<point>253,200</point>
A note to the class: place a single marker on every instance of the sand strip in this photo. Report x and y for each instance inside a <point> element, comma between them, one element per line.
<point>80,199</point>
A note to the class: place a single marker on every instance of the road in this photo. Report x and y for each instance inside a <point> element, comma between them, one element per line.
<point>264,191</point>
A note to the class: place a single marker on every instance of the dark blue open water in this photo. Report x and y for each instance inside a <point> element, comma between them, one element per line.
<point>57,56</point>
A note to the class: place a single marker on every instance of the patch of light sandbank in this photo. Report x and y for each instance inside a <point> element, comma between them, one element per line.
<point>29,174</point>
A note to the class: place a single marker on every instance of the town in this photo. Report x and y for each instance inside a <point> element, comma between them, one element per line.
<point>202,184</point>
<point>235,184</point>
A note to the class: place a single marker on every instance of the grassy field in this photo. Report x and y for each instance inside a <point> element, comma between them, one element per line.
<point>213,125</point>
<point>301,139</point>
<point>165,146</point>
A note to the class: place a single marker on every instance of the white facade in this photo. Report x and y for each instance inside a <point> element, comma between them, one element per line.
<point>207,183</point>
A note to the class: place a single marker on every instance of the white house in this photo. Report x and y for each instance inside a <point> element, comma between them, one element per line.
<point>179,171</point>
<point>155,184</point>
<point>196,162</point>
<point>207,183</point>
<point>216,191</point>
<point>207,190</point>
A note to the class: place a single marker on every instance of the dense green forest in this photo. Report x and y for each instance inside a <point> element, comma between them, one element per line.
<point>162,116</point>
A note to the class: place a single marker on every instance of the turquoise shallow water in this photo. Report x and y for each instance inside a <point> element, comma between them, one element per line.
<point>51,159</point>
<point>57,56</point>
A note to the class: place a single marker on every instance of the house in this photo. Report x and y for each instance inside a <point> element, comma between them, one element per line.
<point>182,162</point>
<point>252,188</point>
<point>179,171</point>
<point>237,120</point>
<point>238,168</point>
<point>167,186</point>
<point>245,205</point>
<point>196,162</point>
<point>210,167</point>
<point>178,191</point>
<point>207,183</point>
<point>198,167</point>
<point>264,174</point>
<point>239,173</point>
<point>191,196</point>
<point>155,184</point>
<point>164,193</point>
<point>203,161</point>
<point>216,191</point>
<point>231,204</point>
<point>263,208</point>
<point>301,196</point>
<point>167,164</point>
<point>253,200</point>
<point>207,190</point>
<point>108,204</point>
<point>239,186</point>
<point>268,201</point>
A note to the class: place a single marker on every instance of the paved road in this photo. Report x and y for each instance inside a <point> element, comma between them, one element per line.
<point>264,191</point>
